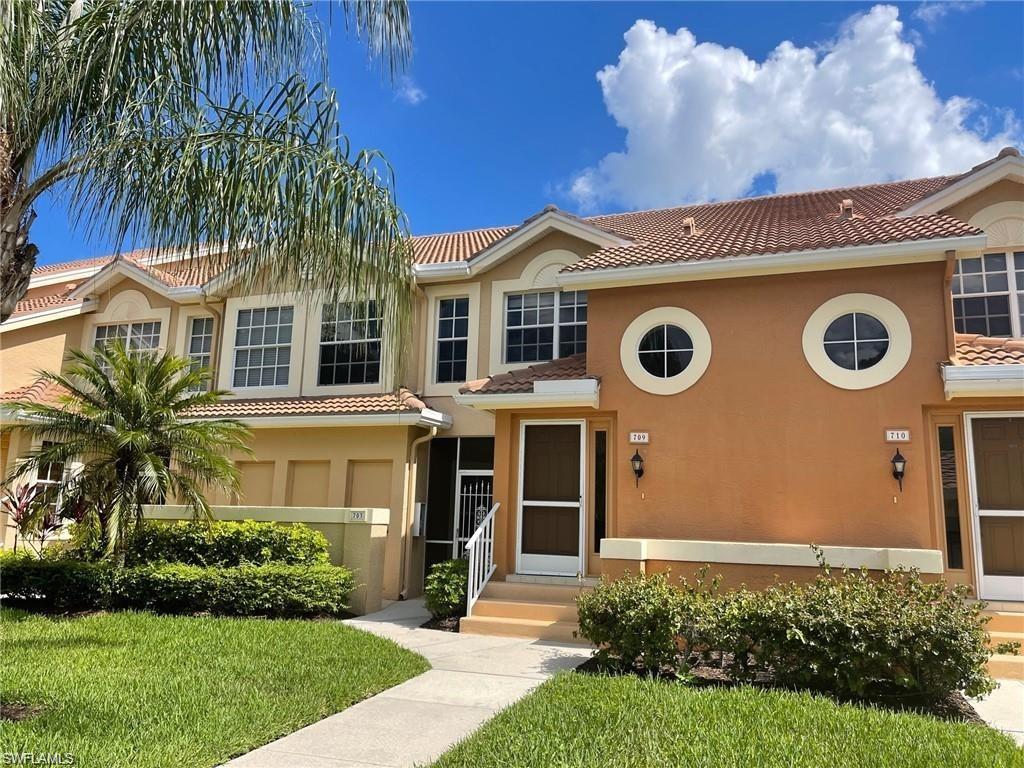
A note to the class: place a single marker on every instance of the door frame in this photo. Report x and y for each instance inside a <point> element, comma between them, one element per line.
<point>581,424</point>
<point>1006,582</point>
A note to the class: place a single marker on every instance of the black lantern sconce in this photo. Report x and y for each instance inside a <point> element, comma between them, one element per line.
<point>899,468</point>
<point>637,463</point>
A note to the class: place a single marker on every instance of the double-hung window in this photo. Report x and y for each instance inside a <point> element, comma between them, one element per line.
<point>350,343</point>
<point>988,294</point>
<point>541,325</point>
<point>137,337</point>
<point>200,342</point>
<point>50,479</point>
<point>263,347</point>
<point>452,339</point>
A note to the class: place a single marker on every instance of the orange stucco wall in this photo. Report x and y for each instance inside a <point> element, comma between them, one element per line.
<point>761,448</point>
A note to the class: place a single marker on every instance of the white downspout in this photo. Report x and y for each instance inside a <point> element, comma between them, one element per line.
<point>410,501</point>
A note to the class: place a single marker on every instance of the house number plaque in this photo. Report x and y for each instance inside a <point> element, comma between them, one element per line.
<point>639,438</point>
<point>897,435</point>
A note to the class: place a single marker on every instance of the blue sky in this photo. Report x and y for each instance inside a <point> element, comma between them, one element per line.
<point>502,111</point>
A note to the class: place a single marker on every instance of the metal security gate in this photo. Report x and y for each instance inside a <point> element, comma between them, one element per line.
<point>475,489</point>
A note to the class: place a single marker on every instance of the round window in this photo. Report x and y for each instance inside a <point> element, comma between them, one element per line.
<point>856,341</point>
<point>665,351</point>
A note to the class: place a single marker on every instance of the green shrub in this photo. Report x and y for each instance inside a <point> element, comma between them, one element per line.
<point>445,588</point>
<point>634,621</point>
<point>226,543</point>
<point>275,589</point>
<point>857,634</point>
<point>54,585</point>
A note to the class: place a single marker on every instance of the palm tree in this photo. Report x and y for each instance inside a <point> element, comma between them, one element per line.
<point>124,417</point>
<point>140,114</point>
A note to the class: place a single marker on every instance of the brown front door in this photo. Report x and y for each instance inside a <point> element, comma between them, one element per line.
<point>551,500</point>
<point>999,505</point>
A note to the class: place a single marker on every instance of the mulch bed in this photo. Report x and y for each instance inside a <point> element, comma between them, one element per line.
<point>954,707</point>
<point>15,711</point>
<point>450,624</point>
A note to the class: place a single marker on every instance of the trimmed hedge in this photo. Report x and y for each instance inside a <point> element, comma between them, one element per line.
<point>849,633</point>
<point>54,585</point>
<point>225,543</point>
<point>276,589</point>
<point>444,590</point>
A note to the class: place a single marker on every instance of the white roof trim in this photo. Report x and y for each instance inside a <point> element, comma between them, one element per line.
<point>139,275</point>
<point>1010,166</point>
<point>902,252</point>
<point>425,418</point>
<point>547,221</point>
<point>46,315</point>
<point>983,380</point>
<point>586,395</point>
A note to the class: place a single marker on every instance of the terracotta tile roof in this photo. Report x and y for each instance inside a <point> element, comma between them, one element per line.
<point>522,379</point>
<point>68,266</point>
<point>402,401</point>
<point>39,391</point>
<point>32,304</point>
<point>456,246</point>
<point>972,349</point>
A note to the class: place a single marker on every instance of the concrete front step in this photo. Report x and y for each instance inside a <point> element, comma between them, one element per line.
<point>525,609</point>
<point>538,629</point>
<point>1006,667</point>
<point>1005,621</point>
<point>525,592</point>
<point>994,638</point>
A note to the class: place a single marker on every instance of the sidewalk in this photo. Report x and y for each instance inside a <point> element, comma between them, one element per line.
<point>473,677</point>
<point>1004,709</point>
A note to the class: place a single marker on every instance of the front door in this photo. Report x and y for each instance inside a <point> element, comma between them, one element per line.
<point>551,498</point>
<point>998,447</point>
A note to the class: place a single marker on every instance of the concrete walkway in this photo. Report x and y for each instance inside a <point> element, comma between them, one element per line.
<point>473,677</point>
<point>1004,708</point>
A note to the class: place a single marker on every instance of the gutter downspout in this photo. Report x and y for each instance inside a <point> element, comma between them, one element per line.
<point>410,501</point>
<point>218,337</point>
<point>947,303</point>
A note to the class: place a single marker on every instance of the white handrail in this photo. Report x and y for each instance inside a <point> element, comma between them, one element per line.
<point>480,551</point>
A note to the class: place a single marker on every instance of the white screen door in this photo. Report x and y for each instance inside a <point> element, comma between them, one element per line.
<point>551,471</point>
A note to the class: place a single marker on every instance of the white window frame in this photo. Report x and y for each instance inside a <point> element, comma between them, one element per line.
<point>540,274</point>
<point>1014,264</point>
<point>298,351</point>
<point>451,339</point>
<point>434,294</point>
<point>379,338</point>
<point>195,357</point>
<point>124,308</point>
<point>629,350</point>
<point>263,346</point>
<point>129,326</point>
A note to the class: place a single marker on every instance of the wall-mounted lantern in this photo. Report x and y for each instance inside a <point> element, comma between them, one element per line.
<point>638,466</point>
<point>899,467</point>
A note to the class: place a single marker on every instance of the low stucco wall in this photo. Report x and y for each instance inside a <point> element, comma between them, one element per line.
<point>357,538</point>
<point>754,564</point>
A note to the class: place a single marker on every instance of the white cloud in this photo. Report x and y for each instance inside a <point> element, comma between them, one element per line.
<point>932,13</point>
<point>409,92</point>
<point>703,121</point>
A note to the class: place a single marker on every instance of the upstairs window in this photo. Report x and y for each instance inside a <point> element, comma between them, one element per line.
<point>263,339</point>
<point>137,337</point>
<point>200,342</point>
<point>350,341</point>
<point>539,323</point>
<point>988,294</point>
<point>452,339</point>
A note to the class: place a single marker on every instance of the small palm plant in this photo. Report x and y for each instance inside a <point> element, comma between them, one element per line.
<point>125,417</point>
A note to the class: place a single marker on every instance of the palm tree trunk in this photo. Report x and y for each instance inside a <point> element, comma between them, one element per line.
<point>17,254</point>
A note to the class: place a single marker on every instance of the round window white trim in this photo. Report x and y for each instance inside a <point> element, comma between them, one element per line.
<point>890,315</point>
<point>636,330</point>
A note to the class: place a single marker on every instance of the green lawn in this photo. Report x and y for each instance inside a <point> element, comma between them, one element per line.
<point>135,689</point>
<point>582,720</point>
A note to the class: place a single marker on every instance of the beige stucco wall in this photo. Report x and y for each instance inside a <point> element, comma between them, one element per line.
<point>347,450</point>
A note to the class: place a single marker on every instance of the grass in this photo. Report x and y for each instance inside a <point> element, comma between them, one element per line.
<point>140,690</point>
<point>579,720</point>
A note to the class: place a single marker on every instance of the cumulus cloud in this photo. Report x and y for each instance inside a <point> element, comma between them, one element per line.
<point>409,92</point>
<point>708,122</point>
